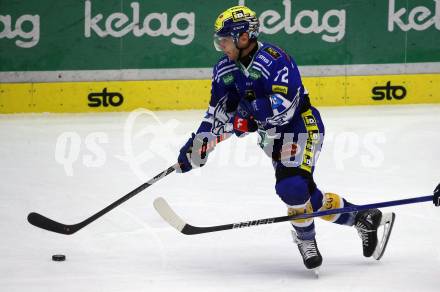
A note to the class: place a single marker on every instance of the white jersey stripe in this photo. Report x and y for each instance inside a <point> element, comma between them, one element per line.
<point>226,72</point>
<point>208,120</point>
<point>262,72</point>
<point>262,67</point>
<point>225,68</point>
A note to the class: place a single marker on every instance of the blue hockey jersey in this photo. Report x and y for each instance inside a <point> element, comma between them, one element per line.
<point>271,85</point>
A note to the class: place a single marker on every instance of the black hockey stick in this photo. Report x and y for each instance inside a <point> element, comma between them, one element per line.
<point>43,222</point>
<point>174,220</point>
<point>51,225</point>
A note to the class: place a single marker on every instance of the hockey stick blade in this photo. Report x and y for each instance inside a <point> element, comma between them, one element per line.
<point>43,222</point>
<point>178,223</point>
<point>165,211</point>
<point>168,214</point>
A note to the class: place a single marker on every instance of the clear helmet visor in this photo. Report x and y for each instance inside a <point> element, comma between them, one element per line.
<point>221,42</point>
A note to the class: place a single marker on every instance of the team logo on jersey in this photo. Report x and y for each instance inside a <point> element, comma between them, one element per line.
<point>254,74</point>
<point>277,103</point>
<point>228,79</point>
<point>283,112</point>
<point>279,89</point>
<point>221,117</point>
<point>272,52</point>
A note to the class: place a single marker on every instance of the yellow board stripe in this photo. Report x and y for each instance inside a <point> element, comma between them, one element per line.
<point>357,90</point>
<point>74,96</point>
<point>195,94</point>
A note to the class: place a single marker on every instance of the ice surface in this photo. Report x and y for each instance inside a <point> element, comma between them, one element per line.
<point>68,167</point>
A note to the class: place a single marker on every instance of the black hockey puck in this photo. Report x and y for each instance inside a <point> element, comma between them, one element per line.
<point>58,257</point>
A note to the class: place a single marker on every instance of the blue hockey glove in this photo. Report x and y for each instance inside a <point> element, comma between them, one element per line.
<point>195,151</point>
<point>436,197</point>
<point>244,121</point>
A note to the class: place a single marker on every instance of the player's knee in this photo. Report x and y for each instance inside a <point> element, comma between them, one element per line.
<point>316,198</point>
<point>331,201</point>
<point>293,190</point>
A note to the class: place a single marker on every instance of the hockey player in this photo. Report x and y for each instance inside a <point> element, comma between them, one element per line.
<point>256,87</point>
<point>436,197</point>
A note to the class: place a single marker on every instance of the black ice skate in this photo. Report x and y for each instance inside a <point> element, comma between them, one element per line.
<point>367,224</point>
<point>309,251</point>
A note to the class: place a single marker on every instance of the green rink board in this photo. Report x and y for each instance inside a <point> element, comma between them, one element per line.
<point>49,35</point>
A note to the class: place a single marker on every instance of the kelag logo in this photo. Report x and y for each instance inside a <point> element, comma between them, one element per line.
<point>417,19</point>
<point>329,24</point>
<point>119,24</point>
<point>389,92</point>
<point>105,98</point>
<point>26,29</point>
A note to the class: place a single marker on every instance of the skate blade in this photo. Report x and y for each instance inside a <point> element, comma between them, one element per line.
<point>387,222</point>
<point>315,272</point>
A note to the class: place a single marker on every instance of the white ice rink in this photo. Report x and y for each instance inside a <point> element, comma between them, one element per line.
<point>68,167</point>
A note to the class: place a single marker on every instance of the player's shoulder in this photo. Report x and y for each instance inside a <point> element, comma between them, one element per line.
<point>224,67</point>
<point>269,55</point>
<point>224,63</point>
<point>268,59</point>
